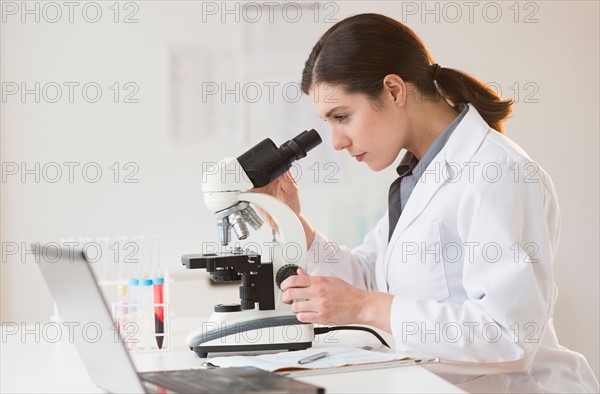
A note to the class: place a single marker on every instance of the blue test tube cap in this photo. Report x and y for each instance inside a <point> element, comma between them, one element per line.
<point>159,281</point>
<point>134,282</point>
<point>146,282</point>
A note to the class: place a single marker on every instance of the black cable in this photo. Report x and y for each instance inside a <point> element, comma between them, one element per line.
<point>323,330</point>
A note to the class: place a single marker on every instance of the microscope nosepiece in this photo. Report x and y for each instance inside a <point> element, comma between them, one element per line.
<point>237,216</point>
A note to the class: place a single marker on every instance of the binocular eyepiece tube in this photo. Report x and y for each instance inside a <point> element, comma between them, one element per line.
<point>265,162</point>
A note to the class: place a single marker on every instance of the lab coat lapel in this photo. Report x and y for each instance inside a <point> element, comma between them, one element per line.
<point>447,165</point>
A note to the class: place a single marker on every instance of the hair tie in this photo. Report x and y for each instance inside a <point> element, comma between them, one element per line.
<point>436,70</point>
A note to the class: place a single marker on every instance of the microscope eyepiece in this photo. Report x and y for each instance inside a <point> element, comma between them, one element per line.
<point>265,162</point>
<point>308,140</point>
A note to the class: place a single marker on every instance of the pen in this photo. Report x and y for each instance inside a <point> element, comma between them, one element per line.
<point>312,358</point>
<point>159,311</point>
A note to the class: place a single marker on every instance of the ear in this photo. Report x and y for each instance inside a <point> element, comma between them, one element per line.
<point>394,88</point>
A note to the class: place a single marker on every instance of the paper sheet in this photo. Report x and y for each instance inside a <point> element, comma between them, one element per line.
<point>288,361</point>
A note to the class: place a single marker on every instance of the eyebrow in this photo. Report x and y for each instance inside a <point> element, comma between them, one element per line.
<point>328,114</point>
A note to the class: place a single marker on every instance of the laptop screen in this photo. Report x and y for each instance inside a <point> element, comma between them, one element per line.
<point>87,318</point>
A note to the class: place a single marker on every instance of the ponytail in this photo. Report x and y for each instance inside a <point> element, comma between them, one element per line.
<point>458,87</point>
<point>358,52</point>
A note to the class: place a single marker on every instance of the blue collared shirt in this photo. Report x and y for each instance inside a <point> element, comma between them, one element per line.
<point>410,168</point>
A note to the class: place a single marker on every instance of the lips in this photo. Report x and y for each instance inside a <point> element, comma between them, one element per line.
<point>360,157</point>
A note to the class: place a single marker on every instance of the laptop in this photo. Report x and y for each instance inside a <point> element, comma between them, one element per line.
<point>71,281</point>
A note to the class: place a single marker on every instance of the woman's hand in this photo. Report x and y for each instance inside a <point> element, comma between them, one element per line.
<point>285,188</point>
<point>330,300</point>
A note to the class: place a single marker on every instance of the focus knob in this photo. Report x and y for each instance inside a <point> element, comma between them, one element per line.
<point>285,272</point>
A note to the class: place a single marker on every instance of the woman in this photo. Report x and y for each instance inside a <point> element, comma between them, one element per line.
<point>460,266</point>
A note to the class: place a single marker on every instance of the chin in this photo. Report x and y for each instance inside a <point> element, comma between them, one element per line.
<point>376,167</point>
<point>379,166</point>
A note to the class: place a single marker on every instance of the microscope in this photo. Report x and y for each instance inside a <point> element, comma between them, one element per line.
<point>259,322</point>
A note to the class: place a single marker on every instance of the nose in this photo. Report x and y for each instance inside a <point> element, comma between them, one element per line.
<point>339,139</point>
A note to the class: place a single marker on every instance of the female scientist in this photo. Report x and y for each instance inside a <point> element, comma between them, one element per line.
<point>460,267</point>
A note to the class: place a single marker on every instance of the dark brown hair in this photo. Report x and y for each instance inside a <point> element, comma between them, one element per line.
<point>358,52</point>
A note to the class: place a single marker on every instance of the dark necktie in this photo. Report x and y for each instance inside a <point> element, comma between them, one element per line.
<point>394,206</point>
<point>405,168</point>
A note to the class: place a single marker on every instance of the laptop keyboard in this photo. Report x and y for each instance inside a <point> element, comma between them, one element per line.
<point>226,380</point>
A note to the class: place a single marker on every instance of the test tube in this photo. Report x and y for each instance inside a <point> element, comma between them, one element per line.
<point>133,324</point>
<point>122,309</point>
<point>146,314</point>
<point>159,310</point>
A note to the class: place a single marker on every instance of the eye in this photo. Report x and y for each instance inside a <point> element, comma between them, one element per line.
<point>341,118</point>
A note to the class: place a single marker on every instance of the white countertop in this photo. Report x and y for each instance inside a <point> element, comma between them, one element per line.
<point>35,365</point>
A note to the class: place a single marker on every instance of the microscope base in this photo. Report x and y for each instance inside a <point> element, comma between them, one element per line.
<point>202,351</point>
<point>259,334</point>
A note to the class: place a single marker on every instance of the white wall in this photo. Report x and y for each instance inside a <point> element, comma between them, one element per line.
<point>553,59</point>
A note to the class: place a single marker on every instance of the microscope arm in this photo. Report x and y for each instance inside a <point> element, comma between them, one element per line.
<point>293,248</point>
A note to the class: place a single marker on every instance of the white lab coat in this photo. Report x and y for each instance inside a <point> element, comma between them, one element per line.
<point>470,268</point>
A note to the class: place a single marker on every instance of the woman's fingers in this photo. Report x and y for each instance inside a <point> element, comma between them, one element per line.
<point>301,272</point>
<point>295,294</point>
<point>323,299</point>
<point>296,287</point>
<point>303,306</point>
<point>285,189</point>
<point>296,281</point>
<point>288,181</point>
